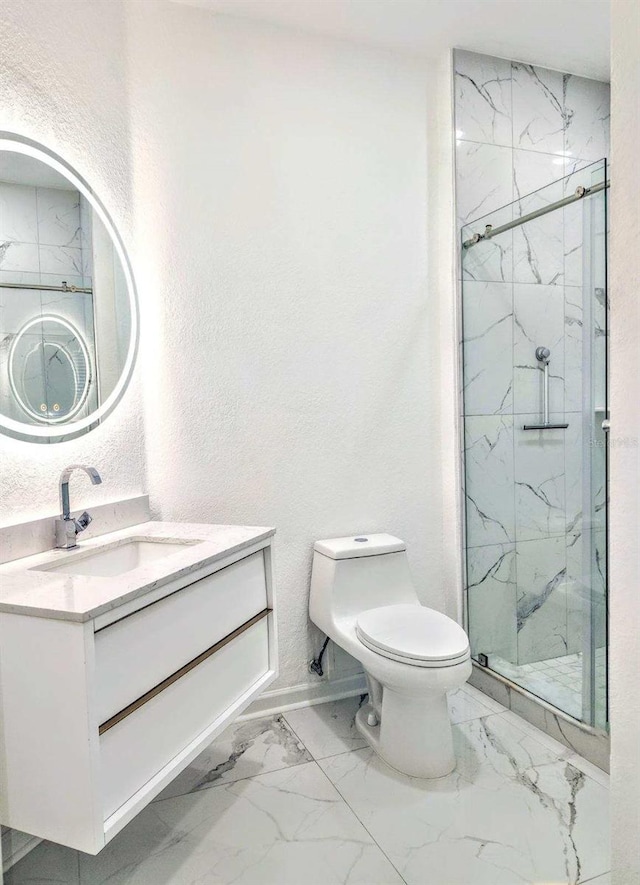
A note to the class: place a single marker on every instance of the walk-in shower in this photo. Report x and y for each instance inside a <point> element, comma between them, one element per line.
<point>535,418</point>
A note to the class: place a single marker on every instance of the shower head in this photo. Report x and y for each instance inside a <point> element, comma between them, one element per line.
<point>543,354</point>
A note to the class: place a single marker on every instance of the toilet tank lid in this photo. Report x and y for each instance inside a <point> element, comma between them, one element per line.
<point>359,545</point>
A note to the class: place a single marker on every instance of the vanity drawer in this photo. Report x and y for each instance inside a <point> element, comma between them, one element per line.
<point>140,745</point>
<point>135,654</point>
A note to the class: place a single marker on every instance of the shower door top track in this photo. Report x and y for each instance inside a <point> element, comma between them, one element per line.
<point>490,231</point>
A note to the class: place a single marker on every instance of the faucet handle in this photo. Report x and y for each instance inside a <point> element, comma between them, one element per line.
<point>83,521</point>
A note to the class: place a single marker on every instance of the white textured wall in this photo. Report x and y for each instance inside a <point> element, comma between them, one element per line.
<point>272,189</point>
<point>293,369</point>
<point>63,81</point>
<point>625,428</point>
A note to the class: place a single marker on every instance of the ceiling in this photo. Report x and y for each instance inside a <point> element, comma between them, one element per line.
<point>568,35</point>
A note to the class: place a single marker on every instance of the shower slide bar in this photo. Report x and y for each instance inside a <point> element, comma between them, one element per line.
<point>490,231</point>
<point>40,287</point>
<point>543,355</point>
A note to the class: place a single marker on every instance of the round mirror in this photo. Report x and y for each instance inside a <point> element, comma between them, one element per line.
<point>68,308</point>
<point>49,369</point>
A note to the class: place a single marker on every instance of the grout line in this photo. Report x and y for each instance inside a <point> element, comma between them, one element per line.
<point>215,786</point>
<point>366,829</point>
<point>594,878</point>
<point>344,753</point>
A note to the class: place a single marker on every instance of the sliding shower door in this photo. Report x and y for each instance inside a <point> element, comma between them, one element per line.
<point>535,398</point>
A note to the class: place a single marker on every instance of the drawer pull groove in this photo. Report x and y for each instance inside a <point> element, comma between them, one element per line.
<point>153,692</point>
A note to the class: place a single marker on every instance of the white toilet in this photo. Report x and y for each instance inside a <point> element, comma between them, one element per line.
<point>363,598</point>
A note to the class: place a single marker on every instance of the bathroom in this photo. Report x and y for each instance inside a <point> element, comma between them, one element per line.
<point>285,186</point>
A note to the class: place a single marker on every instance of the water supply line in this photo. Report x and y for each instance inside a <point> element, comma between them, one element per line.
<point>315,666</point>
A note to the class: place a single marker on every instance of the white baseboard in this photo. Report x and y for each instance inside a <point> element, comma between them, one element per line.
<point>307,694</point>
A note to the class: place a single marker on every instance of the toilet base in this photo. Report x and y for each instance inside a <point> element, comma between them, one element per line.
<point>413,736</point>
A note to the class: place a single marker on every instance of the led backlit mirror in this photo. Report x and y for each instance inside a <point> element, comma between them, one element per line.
<point>68,309</point>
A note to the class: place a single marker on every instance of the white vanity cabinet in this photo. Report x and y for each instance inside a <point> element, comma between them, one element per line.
<point>99,715</point>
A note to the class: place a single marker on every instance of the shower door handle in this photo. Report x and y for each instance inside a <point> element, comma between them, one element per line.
<point>606,425</point>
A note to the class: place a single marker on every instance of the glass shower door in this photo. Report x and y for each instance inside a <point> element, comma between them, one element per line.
<point>534,357</point>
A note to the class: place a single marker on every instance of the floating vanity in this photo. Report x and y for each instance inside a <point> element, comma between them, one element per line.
<point>119,662</point>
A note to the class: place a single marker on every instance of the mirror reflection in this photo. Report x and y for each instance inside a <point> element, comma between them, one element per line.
<point>50,370</point>
<point>67,307</point>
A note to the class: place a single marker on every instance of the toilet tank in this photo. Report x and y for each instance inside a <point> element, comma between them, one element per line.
<point>351,575</point>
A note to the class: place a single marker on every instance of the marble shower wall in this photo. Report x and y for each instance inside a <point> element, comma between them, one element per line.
<point>520,128</point>
<point>42,237</point>
<point>45,239</point>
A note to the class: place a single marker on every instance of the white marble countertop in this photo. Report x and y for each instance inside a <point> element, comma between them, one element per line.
<point>51,594</point>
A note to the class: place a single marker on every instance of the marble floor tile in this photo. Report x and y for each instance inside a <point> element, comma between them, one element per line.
<point>511,812</point>
<point>463,706</point>
<point>599,880</point>
<point>327,729</point>
<point>594,746</point>
<point>282,828</point>
<point>48,864</point>
<point>483,698</point>
<point>242,750</point>
<point>560,751</point>
<point>520,807</point>
<point>596,774</point>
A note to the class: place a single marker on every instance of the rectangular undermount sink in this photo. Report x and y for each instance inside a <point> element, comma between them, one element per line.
<point>116,559</point>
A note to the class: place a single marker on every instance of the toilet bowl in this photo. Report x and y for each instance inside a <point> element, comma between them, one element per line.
<point>363,598</point>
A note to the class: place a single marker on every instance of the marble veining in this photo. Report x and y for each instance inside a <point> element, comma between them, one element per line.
<point>243,750</point>
<point>491,599</point>
<point>488,344</point>
<point>490,479</point>
<point>287,826</point>
<point>520,807</point>
<point>483,98</point>
<point>538,110</point>
<point>80,597</point>
<point>522,289</point>
<point>435,832</point>
<point>327,729</point>
<point>541,599</point>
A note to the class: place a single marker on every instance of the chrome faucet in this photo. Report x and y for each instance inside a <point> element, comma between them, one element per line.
<point>67,528</point>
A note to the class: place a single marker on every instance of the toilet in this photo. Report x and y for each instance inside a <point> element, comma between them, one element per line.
<point>363,598</point>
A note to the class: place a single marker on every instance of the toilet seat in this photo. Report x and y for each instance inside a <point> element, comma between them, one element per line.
<point>413,634</point>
